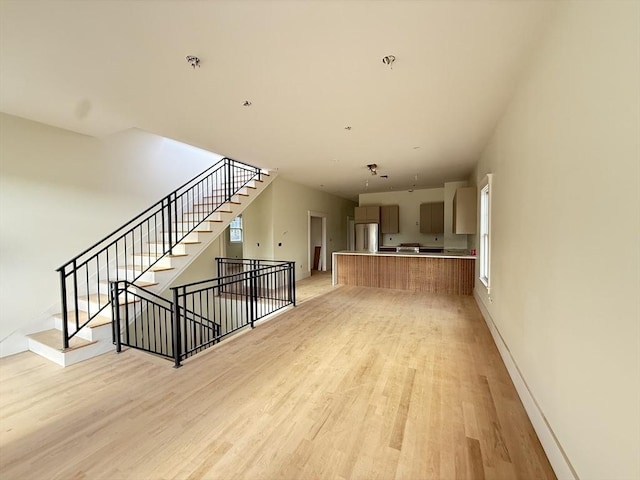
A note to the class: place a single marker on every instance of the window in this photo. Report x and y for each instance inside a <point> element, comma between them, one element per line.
<point>235,230</point>
<point>485,233</point>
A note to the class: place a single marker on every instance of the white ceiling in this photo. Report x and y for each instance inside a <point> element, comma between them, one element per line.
<point>310,68</point>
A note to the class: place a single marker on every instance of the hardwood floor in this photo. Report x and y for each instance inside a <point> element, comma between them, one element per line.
<point>357,383</point>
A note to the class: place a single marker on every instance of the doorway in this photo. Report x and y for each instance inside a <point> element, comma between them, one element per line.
<point>317,235</point>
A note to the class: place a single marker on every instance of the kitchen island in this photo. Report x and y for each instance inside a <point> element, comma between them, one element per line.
<point>450,273</point>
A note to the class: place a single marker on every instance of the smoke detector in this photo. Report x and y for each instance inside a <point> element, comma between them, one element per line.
<point>388,60</point>
<point>193,61</point>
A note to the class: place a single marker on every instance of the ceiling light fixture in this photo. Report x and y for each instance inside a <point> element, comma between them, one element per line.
<point>388,60</point>
<point>373,168</point>
<point>193,61</point>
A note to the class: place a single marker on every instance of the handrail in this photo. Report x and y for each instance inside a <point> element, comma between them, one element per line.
<point>236,300</point>
<point>201,313</point>
<point>131,250</point>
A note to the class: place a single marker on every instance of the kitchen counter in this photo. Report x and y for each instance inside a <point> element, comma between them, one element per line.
<point>445,254</point>
<point>449,273</point>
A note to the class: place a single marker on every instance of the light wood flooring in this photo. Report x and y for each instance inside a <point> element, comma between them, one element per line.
<point>354,383</point>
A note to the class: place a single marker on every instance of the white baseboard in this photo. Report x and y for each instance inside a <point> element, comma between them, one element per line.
<point>557,457</point>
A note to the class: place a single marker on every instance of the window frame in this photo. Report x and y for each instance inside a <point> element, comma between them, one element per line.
<point>484,234</point>
<point>239,228</point>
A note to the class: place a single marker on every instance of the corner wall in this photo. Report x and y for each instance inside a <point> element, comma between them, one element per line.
<point>565,225</point>
<point>60,192</point>
<point>278,221</point>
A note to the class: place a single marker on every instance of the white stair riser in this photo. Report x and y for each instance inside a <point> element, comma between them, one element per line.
<point>130,275</point>
<point>159,248</point>
<point>64,359</point>
<point>103,288</point>
<point>192,217</point>
<point>146,260</point>
<point>96,334</point>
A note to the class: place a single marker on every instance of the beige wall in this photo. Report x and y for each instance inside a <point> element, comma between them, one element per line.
<point>278,220</point>
<point>203,267</point>
<point>60,192</point>
<point>565,227</point>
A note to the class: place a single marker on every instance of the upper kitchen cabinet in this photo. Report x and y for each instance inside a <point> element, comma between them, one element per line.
<point>389,219</point>
<point>367,214</point>
<point>432,217</point>
<point>464,210</point>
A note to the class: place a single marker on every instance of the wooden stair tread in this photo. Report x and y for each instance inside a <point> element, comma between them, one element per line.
<point>53,338</point>
<point>140,268</point>
<point>83,316</point>
<point>102,298</point>
<point>160,255</point>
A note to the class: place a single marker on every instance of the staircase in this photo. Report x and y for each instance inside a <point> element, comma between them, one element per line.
<point>150,251</point>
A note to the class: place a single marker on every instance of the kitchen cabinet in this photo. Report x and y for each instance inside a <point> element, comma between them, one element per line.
<point>432,217</point>
<point>464,210</point>
<point>367,214</point>
<point>389,219</point>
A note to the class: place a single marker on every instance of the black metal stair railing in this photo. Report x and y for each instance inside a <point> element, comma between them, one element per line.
<point>201,313</point>
<point>144,321</point>
<point>133,249</point>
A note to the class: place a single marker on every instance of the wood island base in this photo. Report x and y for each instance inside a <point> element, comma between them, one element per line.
<point>445,275</point>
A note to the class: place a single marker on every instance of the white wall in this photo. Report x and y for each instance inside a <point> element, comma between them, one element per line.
<point>566,229</point>
<point>60,192</point>
<point>278,220</point>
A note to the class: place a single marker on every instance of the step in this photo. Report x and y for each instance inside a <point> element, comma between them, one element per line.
<point>103,287</point>
<point>98,320</point>
<point>148,276</point>
<point>49,345</point>
<point>99,328</point>
<point>154,269</point>
<point>159,260</point>
<point>103,299</point>
<point>53,339</point>
<point>182,228</point>
<point>195,217</point>
<point>211,201</point>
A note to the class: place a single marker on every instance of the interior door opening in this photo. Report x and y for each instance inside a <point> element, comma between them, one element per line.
<point>317,226</point>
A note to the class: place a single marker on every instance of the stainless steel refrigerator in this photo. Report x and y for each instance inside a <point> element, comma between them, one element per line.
<point>367,237</point>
